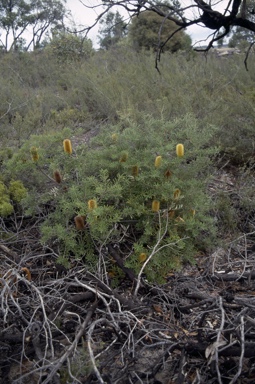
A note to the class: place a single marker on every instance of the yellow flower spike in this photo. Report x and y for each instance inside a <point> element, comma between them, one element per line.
<point>158,161</point>
<point>180,150</point>
<point>155,206</point>
<point>193,212</point>
<point>168,174</point>
<point>79,222</point>
<point>67,146</point>
<point>123,157</point>
<point>177,194</point>
<point>92,204</point>
<point>57,177</point>
<point>142,257</point>
<point>135,170</point>
<point>114,137</point>
<point>34,154</point>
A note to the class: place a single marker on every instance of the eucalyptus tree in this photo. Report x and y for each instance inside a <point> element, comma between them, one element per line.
<point>112,29</point>
<point>27,21</point>
<point>220,17</point>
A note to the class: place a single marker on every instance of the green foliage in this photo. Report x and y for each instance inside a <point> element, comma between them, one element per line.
<point>15,193</point>
<point>226,213</point>
<point>150,31</point>
<point>6,207</point>
<point>69,47</point>
<point>37,95</point>
<point>135,115</point>
<point>17,16</point>
<point>103,172</point>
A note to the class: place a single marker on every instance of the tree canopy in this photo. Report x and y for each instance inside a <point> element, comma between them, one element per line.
<point>144,33</point>
<point>219,16</point>
<point>37,16</point>
<point>113,29</point>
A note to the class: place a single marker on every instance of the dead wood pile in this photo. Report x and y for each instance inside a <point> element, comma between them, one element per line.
<point>69,326</point>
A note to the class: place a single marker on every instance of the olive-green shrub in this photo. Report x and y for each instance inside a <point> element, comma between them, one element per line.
<point>15,192</point>
<point>112,184</point>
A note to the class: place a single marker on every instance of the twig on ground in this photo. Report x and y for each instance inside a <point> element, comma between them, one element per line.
<point>240,365</point>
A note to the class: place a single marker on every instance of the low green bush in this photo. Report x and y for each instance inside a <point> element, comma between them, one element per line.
<point>14,193</point>
<point>127,188</point>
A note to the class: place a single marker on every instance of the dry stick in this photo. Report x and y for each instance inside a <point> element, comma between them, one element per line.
<point>73,346</point>
<point>128,271</point>
<point>218,339</point>
<point>101,260</point>
<point>155,250</point>
<point>91,354</point>
<point>46,321</point>
<point>101,296</point>
<point>240,365</point>
<point>10,253</point>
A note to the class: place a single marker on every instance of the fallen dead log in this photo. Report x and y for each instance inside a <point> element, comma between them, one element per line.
<point>198,349</point>
<point>233,276</point>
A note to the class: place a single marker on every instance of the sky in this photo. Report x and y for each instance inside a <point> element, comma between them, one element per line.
<point>85,17</point>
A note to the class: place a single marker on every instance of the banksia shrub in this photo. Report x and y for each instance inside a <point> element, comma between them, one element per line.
<point>180,150</point>
<point>34,154</point>
<point>92,204</point>
<point>79,222</point>
<point>155,206</point>
<point>158,161</point>
<point>67,146</point>
<point>57,177</point>
<point>133,193</point>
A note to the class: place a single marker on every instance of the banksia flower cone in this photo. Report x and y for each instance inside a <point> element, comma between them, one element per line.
<point>171,213</point>
<point>34,154</point>
<point>27,272</point>
<point>135,170</point>
<point>123,157</point>
<point>114,137</point>
<point>142,257</point>
<point>57,177</point>
<point>168,173</point>
<point>92,204</point>
<point>155,206</point>
<point>180,150</point>
<point>67,146</point>
<point>158,161</point>
<point>79,222</point>
<point>193,212</point>
<point>177,194</point>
